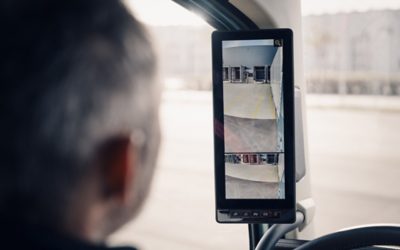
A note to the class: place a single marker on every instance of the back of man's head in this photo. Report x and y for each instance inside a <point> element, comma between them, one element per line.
<point>76,82</point>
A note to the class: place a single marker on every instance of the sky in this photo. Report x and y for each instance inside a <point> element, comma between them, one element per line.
<point>310,7</point>
<point>166,12</point>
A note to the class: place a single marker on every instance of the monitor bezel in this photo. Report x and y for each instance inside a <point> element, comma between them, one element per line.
<point>288,203</point>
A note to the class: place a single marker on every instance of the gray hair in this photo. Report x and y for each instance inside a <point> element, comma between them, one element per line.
<point>73,74</point>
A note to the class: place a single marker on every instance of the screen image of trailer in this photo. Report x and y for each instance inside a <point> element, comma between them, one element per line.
<point>253,119</point>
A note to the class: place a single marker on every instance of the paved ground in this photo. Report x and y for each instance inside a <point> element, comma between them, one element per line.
<point>239,189</point>
<point>258,172</point>
<point>355,160</point>
<point>244,181</point>
<point>252,101</point>
<point>250,124</point>
<point>355,171</point>
<point>250,135</point>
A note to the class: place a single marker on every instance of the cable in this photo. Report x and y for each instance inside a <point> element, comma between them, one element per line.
<point>275,232</point>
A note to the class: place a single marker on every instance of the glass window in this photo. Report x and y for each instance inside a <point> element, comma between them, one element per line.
<point>226,74</point>
<point>352,67</point>
<point>352,70</point>
<point>236,74</point>
<point>259,73</point>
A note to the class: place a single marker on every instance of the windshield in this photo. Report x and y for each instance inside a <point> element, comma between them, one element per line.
<point>352,66</point>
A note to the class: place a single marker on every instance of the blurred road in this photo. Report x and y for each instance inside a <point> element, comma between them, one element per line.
<point>355,166</point>
<point>355,170</point>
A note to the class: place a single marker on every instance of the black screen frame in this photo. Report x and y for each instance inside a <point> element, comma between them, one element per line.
<point>288,203</point>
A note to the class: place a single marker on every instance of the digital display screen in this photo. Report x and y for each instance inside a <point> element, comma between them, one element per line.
<point>253,119</point>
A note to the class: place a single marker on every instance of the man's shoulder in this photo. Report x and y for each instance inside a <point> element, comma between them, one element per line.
<point>22,237</point>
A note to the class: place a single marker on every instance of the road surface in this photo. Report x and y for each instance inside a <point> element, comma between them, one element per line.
<point>253,101</point>
<point>249,118</point>
<point>250,135</point>
<point>238,189</point>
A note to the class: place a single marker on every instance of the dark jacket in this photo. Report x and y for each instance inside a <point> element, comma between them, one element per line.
<point>17,236</point>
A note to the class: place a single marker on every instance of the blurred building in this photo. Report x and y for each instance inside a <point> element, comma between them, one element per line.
<point>344,53</point>
<point>185,55</point>
<point>353,53</point>
<point>252,158</point>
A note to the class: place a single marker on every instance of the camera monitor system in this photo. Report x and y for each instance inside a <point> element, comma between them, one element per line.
<point>253,99</point>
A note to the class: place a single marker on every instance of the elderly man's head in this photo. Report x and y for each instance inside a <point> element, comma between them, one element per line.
<point>79,129</point>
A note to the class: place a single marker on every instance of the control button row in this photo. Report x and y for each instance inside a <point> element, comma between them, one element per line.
<point>255,214</point>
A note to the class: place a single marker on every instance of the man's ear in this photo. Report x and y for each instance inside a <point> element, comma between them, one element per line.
<point>118,161</point>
